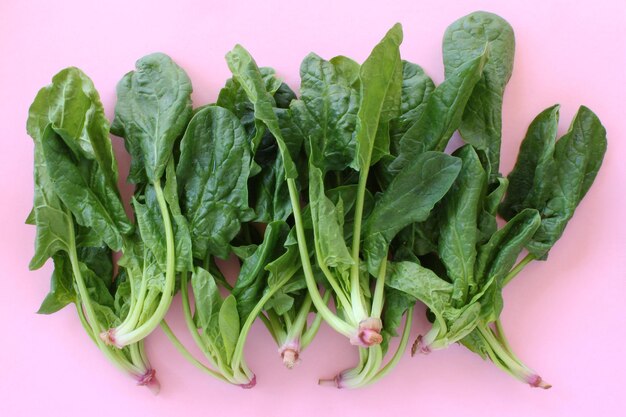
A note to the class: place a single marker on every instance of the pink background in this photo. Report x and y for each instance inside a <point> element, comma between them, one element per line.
<point>565,317</point>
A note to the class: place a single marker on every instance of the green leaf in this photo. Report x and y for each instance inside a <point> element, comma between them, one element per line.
<point>396,304</point>
<point>496,258</point>
<point>463,41</point>
<point>441,114</point>
<point>207,299</point>
<point>212,172</point>
<point>409,198</point>
<point>459,228</point>
<point>83,190</point>
<point>421,283</point>
<point>416,88</point>
<point>248,289</point>
<point>577,157</point>
<point>280,302</point>
<point>326,112</point>
<point>229,325</point>
<point>62,290</point>
<point>72,104</point>
<point>182,236</point>
<point>152,110</point>
<point>531,180</point>
<point>247,74</point>
<point>381,87</point>
<point>327,224</point>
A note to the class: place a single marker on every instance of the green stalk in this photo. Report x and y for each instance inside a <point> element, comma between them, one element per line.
<point>335,322</point>
<point>170,280</point>
<point>191,326</point>
<point>517,269</point>
<point>91,318</point>
<point>355,285</point>
<point>397,356</point>
<point>245,329</point>
<point>186,354</point>
<point>310,333</point>
<point>379,290</point>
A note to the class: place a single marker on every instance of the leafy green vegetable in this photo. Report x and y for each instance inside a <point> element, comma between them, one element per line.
<point>76,195</point>
<point>464,40</point>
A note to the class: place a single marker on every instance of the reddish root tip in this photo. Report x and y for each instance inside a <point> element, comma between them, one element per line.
<point>250,384</point>
<point>108,337</point>
<point>368,333</point>
<point>150,381</point>
<point>535,381</point>
<point>291,358</point>
<point>420,347</point>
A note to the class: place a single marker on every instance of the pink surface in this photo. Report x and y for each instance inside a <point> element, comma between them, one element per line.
<point>566,317</point>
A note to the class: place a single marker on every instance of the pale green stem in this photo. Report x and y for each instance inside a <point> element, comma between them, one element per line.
<point>335,322</point>
<point>186,354</point>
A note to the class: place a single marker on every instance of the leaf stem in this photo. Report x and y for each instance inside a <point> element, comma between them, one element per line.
<point>518,268</point>
<point>379,290</point>
<point>312,330</point>
<point>167,294</point>
<point>355,284</point>
<point>335,322</point>
<point>186,354</point>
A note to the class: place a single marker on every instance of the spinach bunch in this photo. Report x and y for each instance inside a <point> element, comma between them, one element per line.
<point>346,117</point>
<point>79,215</point>
<point>340,202</point>
<point>474,259</point>
<point>152,110</point>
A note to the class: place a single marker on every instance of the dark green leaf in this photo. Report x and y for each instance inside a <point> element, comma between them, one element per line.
<point>152,110</point>
<point>229,325</point>
<point>463,41</point>
<point>381,88</point>
<point>408,199</point>
<point>441,114</point>
<point>212,173</point>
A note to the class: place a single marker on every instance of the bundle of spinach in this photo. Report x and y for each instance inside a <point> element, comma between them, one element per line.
<point>79,215</point>
<point>474,259</point>
<point>342,197</point>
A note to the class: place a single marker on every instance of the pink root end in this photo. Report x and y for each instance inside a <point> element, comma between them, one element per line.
<point>368,333</point>
<point>535,381</point>
<point>291,358</point>
<point>250,384</point>
<point>150,381</point>
<point>108,337</point>
<point>420,346</point>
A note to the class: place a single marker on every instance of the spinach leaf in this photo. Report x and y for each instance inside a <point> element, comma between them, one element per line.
<point>212,173</point>
<point>409,198</point>
<point>565,171</point>
<point>152,111</point>
<point>463,41</point>
<point>441,114</point>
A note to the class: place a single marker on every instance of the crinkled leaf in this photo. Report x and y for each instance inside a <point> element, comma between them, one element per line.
<point>326,112</point>
<point>409,198</point>
<point>463,41</point>
<point>83,190</point>
<point>152,110</point>
<point>327,224</point>
<point>247,74</point>
<point>441,114</point>
<point>248,289</point>
<point>212,173</point>
<point>459,228</point>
